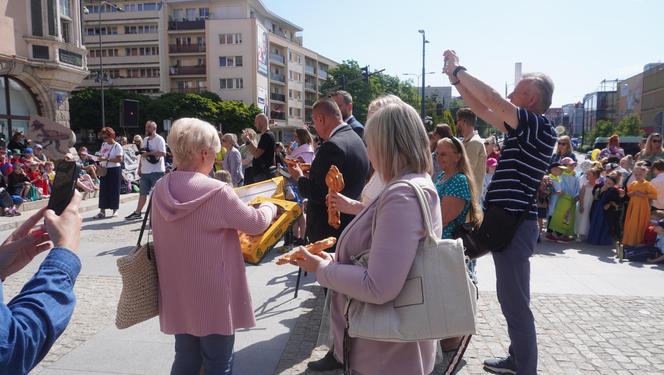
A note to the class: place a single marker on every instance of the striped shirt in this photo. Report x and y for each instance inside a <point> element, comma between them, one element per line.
<point>523,161</point>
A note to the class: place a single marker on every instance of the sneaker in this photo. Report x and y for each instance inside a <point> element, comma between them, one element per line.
<point>500,365</point>
<point>326,363</point>
<point>133,216</point>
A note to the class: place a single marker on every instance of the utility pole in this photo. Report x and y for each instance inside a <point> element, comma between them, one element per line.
<point>424,42</point>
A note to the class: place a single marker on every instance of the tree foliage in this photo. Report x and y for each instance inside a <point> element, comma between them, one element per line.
<point>233,116</point>
<point>629,125</point>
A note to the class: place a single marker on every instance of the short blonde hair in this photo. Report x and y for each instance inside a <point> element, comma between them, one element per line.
<point>188,136</point>
<point>232,137</point>
<point>397,142</point>
<point>381,102</point>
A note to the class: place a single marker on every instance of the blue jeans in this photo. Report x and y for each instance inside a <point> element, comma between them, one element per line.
<point>213,352</point>
<point>513,290</point>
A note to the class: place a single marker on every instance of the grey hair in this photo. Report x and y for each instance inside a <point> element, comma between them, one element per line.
<point>544,85</point>
<point>189,136</point>
<point>232,137</point>
<point>348,98</point>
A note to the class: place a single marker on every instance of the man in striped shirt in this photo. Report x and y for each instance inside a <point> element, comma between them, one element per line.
<point>527,150</point>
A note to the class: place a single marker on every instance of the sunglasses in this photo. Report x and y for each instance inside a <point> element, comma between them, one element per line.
<point>656,141</point>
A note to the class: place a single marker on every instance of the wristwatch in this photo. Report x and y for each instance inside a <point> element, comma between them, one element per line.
<point>457,70</point>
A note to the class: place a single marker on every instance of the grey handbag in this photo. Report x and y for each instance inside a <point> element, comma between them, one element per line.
<point>438,299</point>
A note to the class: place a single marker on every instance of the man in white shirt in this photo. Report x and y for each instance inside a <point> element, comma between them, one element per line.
<point>465,120</point>
<point>658,182</point>
<point>151,166</point>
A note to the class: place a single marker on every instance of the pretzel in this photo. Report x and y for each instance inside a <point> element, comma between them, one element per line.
<point>313,248</point>
<point>335,184</point>
<point>294,163</point>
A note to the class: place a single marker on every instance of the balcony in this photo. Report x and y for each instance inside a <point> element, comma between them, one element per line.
<point>187,70</point>
<point>128,60</point>
<point>279,97</point>
<point>322,74</point>
<point>309,86</point>
<point>186,48</point>
<point>277,58</point>
<point>277,77</point>
<point>188,90</point>
<point>92,41</point>
<point>310,70</point>
<point>186,25</point>
<point>277,115</point>
<point>309,102</point>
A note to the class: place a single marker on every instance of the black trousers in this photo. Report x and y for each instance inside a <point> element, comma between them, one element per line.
<point>109,189</point>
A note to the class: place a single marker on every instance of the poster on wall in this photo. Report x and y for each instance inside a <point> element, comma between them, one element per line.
<point>261,102</point>
<point>261,49</point>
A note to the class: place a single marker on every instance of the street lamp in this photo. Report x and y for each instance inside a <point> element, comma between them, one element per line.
<point>424,43</point>
<point>417,80</point>
<point>100,77</point>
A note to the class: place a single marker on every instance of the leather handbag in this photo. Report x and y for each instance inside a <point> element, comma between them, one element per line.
<point>438,299</point>
<point>139,299</point>
<point>101,171</point>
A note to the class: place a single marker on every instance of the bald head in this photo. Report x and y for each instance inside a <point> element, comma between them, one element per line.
<point>261,123</point>
<point>326,116</point>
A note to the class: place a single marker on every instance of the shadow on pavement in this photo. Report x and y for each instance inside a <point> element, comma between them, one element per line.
<point>122,251</point>
<point>268,308</point>
<point>103,224</point>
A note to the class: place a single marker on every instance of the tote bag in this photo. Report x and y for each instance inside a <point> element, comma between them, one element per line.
<point>438,299</point>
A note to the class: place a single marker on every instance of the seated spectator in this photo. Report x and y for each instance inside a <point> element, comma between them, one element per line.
<point>18,183</point>
<point>8,203</point>
<point>49,172</point>
<point>17,142</point>
<point>88,163</point>
<point>37,179</point>
<point>279,154</point>
<point>15,157</point>
<point>34,319</point>
<point>38,152</point>
<point>6,167</point>
<point>28,156</point>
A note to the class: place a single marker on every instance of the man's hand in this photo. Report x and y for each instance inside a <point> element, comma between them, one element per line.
<point>23,245</point>
<point>295,171</point>
<point>65,230</point>
<point>451,62</point>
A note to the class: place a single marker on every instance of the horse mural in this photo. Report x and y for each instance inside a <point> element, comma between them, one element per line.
<point>55,139</point>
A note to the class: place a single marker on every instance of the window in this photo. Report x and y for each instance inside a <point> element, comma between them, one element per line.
<point>230,38</point>
<point>66,30</point>
<point>36,18</point>
<point>64,8</point>
<point>191,14</point>
<point>228,61</point>
<point>231,83</point>
<point>51,17</point>
<point>203,13</point>
<point>149,6</point>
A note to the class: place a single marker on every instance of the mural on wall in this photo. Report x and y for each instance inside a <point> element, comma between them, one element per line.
<point>55,139</point>
<point>261,49</point>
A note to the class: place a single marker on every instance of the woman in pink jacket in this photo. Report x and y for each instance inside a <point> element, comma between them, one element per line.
<point>398,150</point>
<point>195,219</point>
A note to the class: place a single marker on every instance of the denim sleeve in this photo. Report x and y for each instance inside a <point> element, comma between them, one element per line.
<point>32,321</point>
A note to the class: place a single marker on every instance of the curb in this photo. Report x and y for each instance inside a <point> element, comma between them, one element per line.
<point>83,208</point>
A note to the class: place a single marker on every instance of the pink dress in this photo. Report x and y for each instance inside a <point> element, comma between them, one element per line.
<point>399,228</point>
<point>202,282</point>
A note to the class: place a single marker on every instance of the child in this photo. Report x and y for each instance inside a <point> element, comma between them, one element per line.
<point>543,192</point>
<point>585,201</point>
<point>605,211</point>
<point>563,219</point>
<point>650,254</point>
<point>37,179</point>
<point>640,193</point>
<point>49,173</point>
<point>556,170</point>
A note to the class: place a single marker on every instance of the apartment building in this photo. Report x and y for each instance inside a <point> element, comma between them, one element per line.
<point>237,49</point>
<point>42,60</point>
<point>128,32</point>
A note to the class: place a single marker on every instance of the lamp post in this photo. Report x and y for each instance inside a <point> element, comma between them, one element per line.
<point>418,80</point>
<point>101,60</point>
<point>424,42</point>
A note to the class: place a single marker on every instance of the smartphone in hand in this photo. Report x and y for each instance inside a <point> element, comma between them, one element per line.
<point>66,174</point>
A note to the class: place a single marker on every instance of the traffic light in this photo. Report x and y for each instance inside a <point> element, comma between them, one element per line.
<point>365,74</point>
<point>129,113</point>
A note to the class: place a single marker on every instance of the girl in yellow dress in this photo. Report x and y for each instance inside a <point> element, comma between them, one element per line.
<point>638,210</point>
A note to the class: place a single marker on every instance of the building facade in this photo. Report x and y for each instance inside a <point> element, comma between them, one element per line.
<point>237,49</point>
<point>597,106</point>
<point>41,61</point>
<point>652,100</point>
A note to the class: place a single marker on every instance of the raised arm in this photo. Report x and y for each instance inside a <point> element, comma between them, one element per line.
<point>502,111</point>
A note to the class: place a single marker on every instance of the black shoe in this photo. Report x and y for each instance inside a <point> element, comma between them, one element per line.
<point>327,363</point>
<point>500,365</point>
<point>133,216</point>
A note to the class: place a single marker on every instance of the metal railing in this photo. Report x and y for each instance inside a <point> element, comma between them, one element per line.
<point>277,58</point>
<point>186,48</point>
<point>186,25</point>
<point>277,77</point>
<point>187,70</point>
<point>280,97</point>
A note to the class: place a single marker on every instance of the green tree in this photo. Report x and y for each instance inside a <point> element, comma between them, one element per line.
<point>449,120</point>
<point>603,128</point>
<point>629,125</point>
<point>235,116</point>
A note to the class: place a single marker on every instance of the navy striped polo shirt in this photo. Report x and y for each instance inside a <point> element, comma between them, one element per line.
<point>524,159</point>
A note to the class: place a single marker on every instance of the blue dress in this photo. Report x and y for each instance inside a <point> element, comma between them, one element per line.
<point>599,233</point>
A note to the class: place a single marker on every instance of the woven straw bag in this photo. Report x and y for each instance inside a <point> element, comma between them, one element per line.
<point>139,299</point>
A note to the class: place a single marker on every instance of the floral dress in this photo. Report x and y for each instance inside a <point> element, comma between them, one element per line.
<point>456,187</point>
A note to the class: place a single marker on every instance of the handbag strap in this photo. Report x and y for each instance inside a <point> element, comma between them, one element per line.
<point>424,207</point>
<point>145,222</point>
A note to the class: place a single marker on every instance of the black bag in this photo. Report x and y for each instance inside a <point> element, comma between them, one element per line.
<point>494,234</point>
<point>151,159</point>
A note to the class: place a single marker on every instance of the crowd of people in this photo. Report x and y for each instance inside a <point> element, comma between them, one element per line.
<point>204,293</point>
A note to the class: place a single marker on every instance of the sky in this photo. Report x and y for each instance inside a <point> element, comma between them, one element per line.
<point>578,43</point>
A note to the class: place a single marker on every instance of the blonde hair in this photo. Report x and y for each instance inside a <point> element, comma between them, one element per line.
<point>463,166</point>
<point>650,145</point>
<point>568,140</point>
<point>381,102</point>
<point>398,142</point>
<point>188,136</point>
